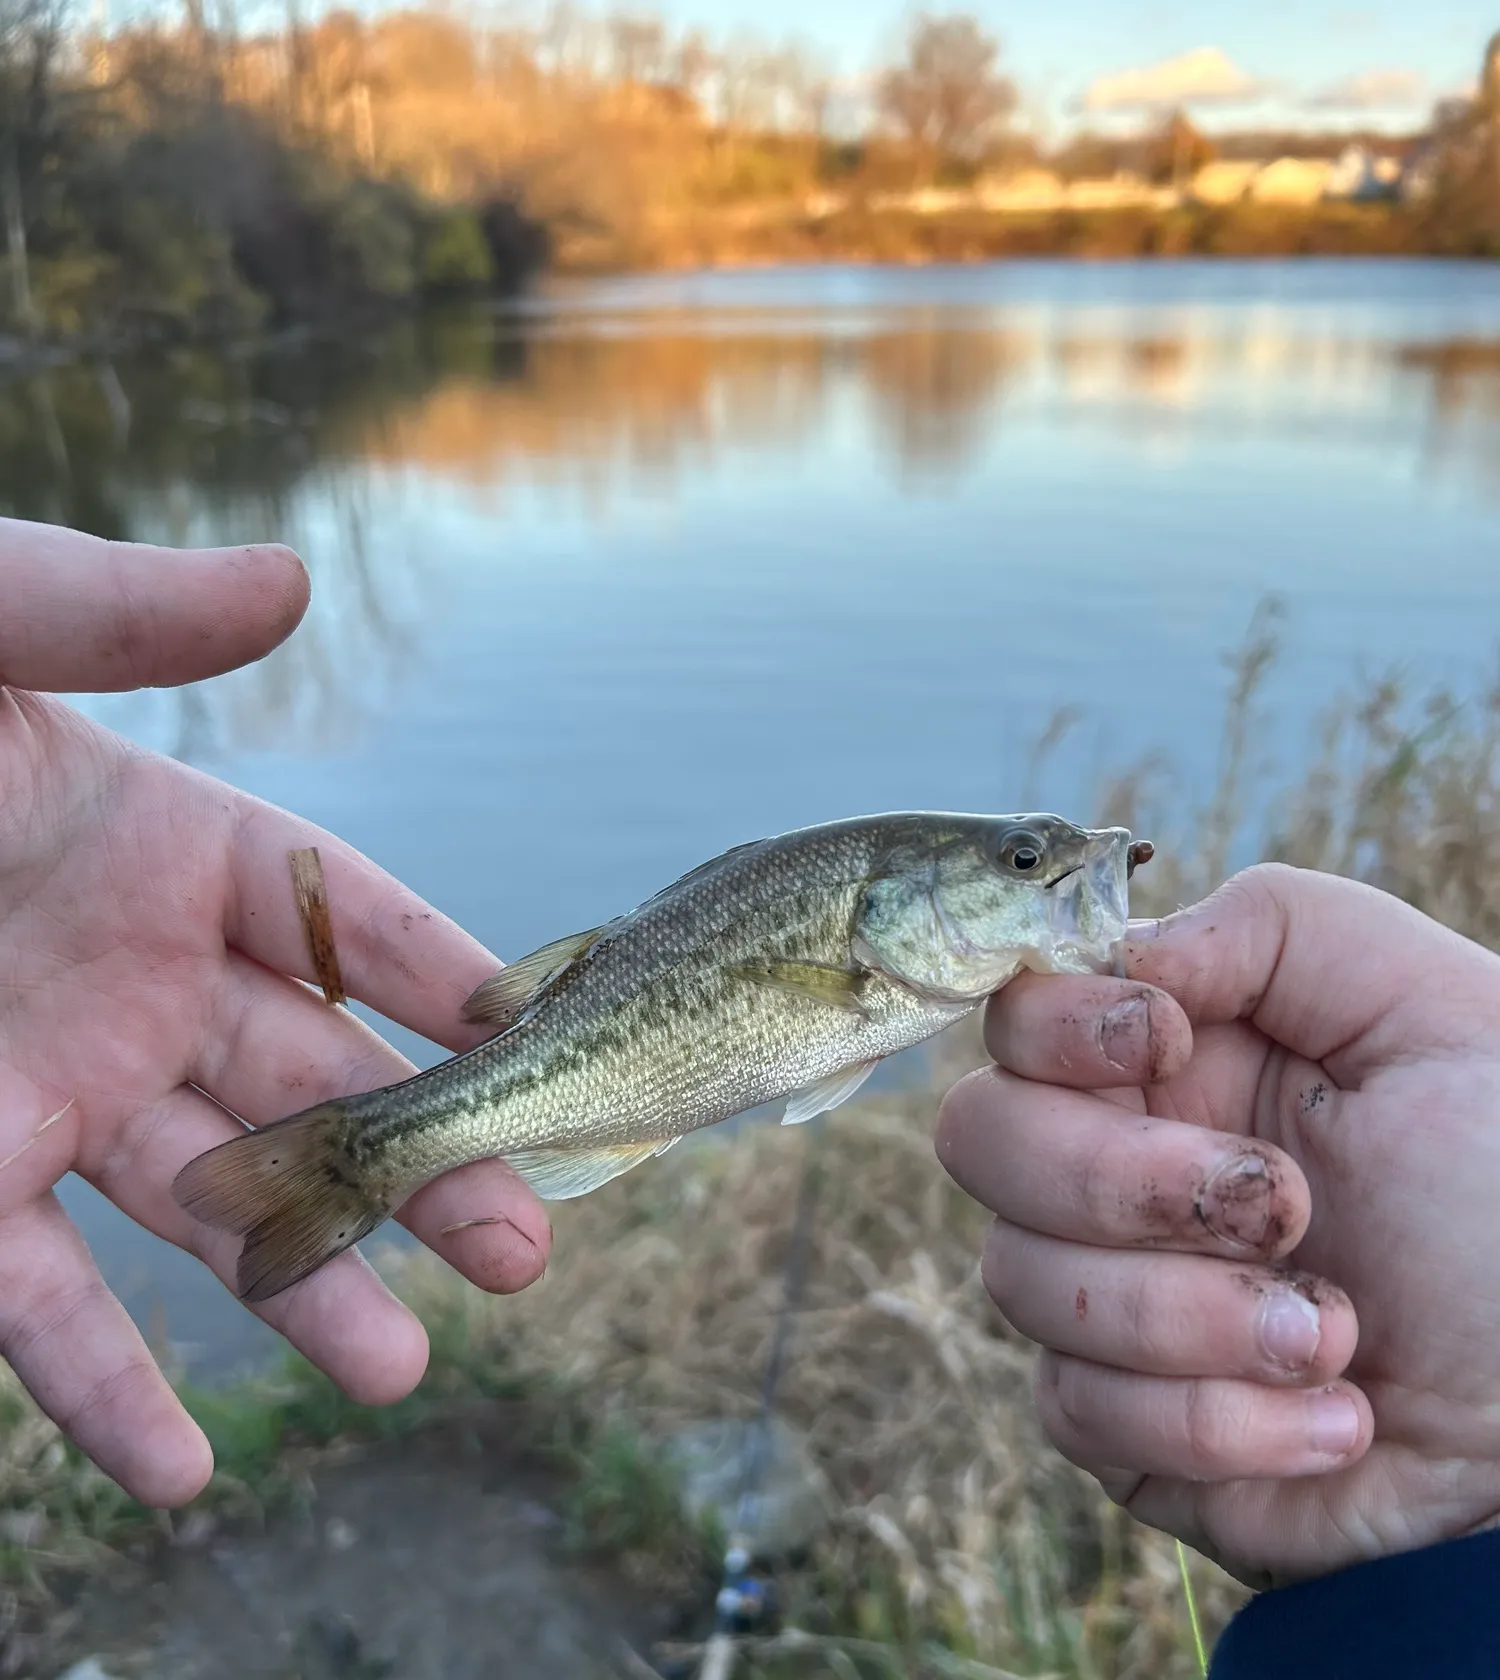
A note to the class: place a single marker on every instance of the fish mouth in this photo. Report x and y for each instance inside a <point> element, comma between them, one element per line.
<point>1090,903</point>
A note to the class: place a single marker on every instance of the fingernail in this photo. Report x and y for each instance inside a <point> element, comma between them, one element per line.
<point>1289,1329</point>
<point>1124,1035</point>
<point>1236,1200</point>
<point>1135,932</point>
<point>1335,1424</point>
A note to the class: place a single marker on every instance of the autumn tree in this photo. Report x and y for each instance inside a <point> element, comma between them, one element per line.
<point>947,99</point>
<point>1463,205</point>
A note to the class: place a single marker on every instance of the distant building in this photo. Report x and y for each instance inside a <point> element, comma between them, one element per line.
<point>1223,182</point>
<point>1122,191</point>
<point>1040,190</point>
<point>1360,175</point>
<point>1292,180</point>
<point>1025,189</point>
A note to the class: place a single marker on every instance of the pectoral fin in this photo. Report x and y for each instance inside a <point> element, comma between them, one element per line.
<point>500,999</point>
<point>827,1093</point>
<point>840,988</point>
<point>557,1175</point>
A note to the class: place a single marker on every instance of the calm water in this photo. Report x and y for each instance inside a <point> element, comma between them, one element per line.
<point>649,567</point>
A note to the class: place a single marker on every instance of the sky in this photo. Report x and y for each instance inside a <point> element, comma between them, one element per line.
<point>1381,62</point>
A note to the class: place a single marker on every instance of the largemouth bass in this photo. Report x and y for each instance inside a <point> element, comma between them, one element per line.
<point>786,967</point>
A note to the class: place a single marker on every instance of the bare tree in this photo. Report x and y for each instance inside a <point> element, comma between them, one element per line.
<point>947,98</point>
<point>31,44</point>
<point>638,49</point>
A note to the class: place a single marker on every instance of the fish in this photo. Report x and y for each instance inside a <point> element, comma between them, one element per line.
<point>787,967</point>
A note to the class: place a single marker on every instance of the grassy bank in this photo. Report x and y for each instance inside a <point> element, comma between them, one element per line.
<point>860,234</point>
<point>956,1543</point>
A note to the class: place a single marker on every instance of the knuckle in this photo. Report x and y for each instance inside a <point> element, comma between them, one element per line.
<point>111,1390</point>
<point>1154,1328</point>
<point>1260,886</point>
<point>52,1310</point>
<point>1215,1418</point>
<point>1101,1185</point>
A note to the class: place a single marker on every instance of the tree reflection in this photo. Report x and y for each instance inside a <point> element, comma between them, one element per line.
<point>295,441</point>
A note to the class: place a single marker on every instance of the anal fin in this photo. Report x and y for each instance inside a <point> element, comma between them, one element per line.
<point>557,1175</point>
<point>826,1093</point>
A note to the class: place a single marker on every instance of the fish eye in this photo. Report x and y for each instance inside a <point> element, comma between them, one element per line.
<point>1022,852</point>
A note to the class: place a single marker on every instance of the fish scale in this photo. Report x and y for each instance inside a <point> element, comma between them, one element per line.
<point>785,967</point>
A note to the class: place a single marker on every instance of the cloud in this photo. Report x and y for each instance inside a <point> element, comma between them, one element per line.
<point>1205,76</point>
<point>1372,90</point>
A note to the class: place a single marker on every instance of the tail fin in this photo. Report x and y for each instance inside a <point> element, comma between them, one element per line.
<point>290,1190</point>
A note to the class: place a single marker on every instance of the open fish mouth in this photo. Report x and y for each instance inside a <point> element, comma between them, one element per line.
<point>1090,906</point>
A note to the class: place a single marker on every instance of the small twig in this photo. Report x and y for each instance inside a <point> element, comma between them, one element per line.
<point>51,1120</point>
<point>312,906</point>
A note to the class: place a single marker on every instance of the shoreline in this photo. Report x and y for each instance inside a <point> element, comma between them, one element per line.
<point>1255,234</point>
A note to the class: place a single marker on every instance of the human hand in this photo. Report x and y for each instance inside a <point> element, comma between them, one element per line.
<point>1247,1204</point>
<point>151,979</point>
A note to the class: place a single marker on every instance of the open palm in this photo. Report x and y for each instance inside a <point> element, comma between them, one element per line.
<point>1269,1289</point>
<point>152,988</point>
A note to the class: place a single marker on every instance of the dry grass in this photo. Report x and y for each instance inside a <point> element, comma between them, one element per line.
<point>956,1527</point>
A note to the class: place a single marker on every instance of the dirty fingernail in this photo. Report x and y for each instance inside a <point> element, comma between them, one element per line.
<point>1335,1424</point>
<point>1124,1036</point>
<point>1289,1329</point>
<point>1236,1200</point>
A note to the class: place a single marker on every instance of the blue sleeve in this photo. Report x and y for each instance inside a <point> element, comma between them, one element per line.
<point>1432,1614</point>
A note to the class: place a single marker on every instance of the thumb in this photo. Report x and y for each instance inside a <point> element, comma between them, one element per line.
<point>1332,969</point>
<point>81,615</point>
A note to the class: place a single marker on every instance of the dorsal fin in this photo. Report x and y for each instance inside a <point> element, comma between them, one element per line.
<point>500,999</point>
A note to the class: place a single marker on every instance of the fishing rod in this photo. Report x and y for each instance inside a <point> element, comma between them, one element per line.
<point>741,1596</point>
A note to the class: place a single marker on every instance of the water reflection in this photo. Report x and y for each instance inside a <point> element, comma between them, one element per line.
<point>294,440</point>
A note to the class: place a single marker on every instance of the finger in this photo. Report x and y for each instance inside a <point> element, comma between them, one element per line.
<point>397,954</point>
<point>80,614</point>
<point>275,1047</point>
<point>1169,1315</point>
<point>1074,1165</point>
<point>342,1317</point>
<point>1325,966</point>
<point>74,1347</point>
<point>1092,1032</point>
<point>1203,1429</point>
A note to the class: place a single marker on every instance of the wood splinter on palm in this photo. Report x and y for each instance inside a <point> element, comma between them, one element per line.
<point>311,892</point>
<point>786,967</point>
